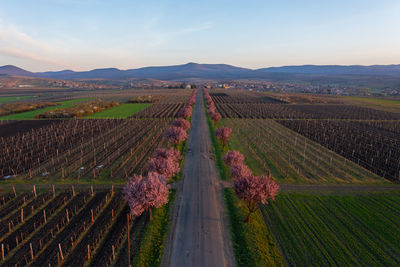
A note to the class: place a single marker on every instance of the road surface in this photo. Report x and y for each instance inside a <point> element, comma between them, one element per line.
<point>201,235</point>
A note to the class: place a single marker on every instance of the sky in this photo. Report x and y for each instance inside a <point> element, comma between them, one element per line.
<point>45,35</point>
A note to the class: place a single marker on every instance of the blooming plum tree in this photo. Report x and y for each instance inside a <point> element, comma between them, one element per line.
<point>240,170</point>
<point>182,123</point>
<point>145,193</point>
<point>255,190</point>
<point>233,157</point>
<point>223,135</point>
<point>167,167</point>
<point>175,135</point>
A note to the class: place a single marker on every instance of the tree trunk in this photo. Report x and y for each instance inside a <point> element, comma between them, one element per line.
<point>150,217</point>
<point>248,217</point>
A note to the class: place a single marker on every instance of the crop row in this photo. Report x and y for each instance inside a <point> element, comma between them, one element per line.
<point>75,229</point>
<point>23,152</point>
<point>290,157</point>
<point>372,147</point>
<point>89,152</point>
<point>159,111</point>
<point>15,203</point>
<point>84,248</point>
<point>110,154</point>
<point>31,224</point>
<point>345,230</point>
<point>19,215</point>
<point>286,111</point>
<point>222,98</point>
<point>39,239</point>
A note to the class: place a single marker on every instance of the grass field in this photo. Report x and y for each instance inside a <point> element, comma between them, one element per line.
<point>356,229</point>
<point>5,99</point>
<point>29,115</point>
<point>290,157</point>
<point>122,111</point>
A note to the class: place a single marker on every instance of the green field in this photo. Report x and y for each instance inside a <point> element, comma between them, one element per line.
<point>29,115</point>
<point>122,111</point>
<point>357,229</point>
<point>5,99</point>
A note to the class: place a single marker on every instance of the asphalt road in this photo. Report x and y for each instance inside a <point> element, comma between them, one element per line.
<point>200,237</point>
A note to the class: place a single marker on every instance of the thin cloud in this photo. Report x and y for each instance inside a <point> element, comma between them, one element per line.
<point>17,44</point>
<point>18,53</point>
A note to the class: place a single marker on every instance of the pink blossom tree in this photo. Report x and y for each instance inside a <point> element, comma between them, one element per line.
<point>215,116</point>
<point>166,167</point>
<point>192,99</point>
<point>145,193</point>
<point>223,135</point>
<point>185,112</point>
<point>240,170</point>
<point>182,123</point>
<point>233,157</point>
<point>175,135</point>
<point>172,153</point>
<point>255,190</point>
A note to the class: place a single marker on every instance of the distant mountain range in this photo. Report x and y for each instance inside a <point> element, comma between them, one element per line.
<point>209,71</point>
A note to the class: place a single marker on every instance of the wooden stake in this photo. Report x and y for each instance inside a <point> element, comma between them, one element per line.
<point>30,245</point>
<point>66,211</point>
<point>88,251</point>
<point>2,251</point>
<point>92,215</point>
<point>73,191</point>
<point>15,193</point>
<point>113,251</point>
<point>22,215</point>
<point>112,189</point>
<point>54,191</point>
<point>91,188</point>
<point>61,253</point>
<point>129,242</point>
<point>34,190</point>
<point>44,216</point>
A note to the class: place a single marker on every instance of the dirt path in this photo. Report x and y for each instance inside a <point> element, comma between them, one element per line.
<point>199,228</point>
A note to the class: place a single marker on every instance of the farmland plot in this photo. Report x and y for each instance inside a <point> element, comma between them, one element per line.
<point>290,157</point>
<point>361,229</point>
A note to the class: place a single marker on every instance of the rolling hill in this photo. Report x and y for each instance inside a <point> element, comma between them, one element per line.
<point>214,71</point>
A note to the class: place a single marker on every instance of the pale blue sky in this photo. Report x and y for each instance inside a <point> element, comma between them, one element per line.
<point>84,34</point>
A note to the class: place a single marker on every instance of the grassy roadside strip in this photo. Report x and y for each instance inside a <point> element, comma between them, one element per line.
<point>152,243</point>
<point>223,171</point>
<point>253,243</point>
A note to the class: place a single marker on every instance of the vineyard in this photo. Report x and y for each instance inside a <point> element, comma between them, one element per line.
<point>290,157</point>
<point>78,149</point>
<point>84,149</point>
<point>267,108</point>
<point>69,228</point>
<point>373,144</point>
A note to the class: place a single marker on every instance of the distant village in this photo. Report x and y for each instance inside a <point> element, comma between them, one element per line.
<point>305,88</point>
<point>251,85</point>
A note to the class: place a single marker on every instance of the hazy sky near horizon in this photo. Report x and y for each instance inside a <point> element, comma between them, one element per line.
<point>85,34</point>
